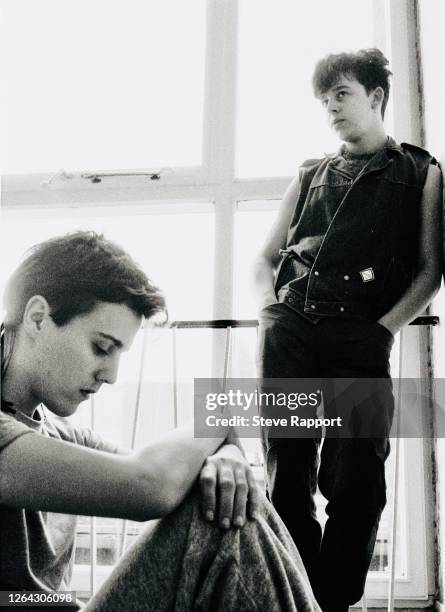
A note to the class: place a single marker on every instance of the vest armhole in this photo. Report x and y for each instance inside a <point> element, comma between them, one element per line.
<point>422,158</point>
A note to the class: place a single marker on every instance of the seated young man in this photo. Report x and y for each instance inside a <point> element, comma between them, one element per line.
<point>72,307</point>
<point>353,257</point>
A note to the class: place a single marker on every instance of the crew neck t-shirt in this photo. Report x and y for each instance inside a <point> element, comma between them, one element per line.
<point>37,548</point>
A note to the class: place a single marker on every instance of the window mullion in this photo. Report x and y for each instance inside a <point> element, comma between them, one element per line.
<point>404,63</point>
<point>219,141</point>
<point>220,91</point>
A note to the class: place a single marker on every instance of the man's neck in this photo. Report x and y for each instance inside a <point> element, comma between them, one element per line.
<point>16,388</point>
<point>370,143</point>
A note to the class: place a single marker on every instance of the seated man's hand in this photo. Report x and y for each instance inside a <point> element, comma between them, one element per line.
<point>228,488</point>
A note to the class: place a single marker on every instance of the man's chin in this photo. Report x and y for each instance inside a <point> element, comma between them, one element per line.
<point>345,136</point>
<point>349,136</point>
<point>64,409</point>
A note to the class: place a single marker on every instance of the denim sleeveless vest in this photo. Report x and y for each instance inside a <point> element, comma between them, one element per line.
<point>368,254</point>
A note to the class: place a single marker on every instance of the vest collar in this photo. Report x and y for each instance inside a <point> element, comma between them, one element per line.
<point>390,145</point>
<point>381,159</point>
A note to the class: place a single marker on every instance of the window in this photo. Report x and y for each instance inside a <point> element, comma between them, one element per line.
<point>260,216</point>
<point>279,45</point>
<point>96,85</point>
<point>220,93</point>
<point>160,239</point>
<point>160,242</point>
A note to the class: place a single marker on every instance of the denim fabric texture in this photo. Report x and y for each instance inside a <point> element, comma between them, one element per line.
<point>365,230</point>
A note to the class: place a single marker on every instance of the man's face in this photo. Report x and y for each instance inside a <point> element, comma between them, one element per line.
<point>351,111</point>
<point>78,357</point>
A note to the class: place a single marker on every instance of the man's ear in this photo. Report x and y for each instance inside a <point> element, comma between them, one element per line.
<point>37,312</point>
<point>377,97</point>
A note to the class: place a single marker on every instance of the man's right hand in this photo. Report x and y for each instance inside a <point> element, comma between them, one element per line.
<point>229,491</point>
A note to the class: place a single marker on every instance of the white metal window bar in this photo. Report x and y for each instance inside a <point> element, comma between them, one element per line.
<point>135,426</point>
<point>93,531</point>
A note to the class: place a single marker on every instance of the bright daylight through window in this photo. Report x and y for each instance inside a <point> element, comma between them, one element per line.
<point>100,86</point>
<point>219,93</point>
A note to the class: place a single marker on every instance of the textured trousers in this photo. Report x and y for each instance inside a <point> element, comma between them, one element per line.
<point>183,563</point>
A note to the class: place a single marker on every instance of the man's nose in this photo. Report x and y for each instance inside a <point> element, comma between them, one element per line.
<point>332,106</point>
<point>108,373</point>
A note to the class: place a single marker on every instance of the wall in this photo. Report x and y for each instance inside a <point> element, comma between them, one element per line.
<point>432,46</point>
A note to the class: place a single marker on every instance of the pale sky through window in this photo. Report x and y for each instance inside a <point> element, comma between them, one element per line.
<point>101,85</point>
<point>160,243</point>
<point>279,122</point>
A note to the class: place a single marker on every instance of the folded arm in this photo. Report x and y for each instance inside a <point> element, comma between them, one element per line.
<point>45,474</point>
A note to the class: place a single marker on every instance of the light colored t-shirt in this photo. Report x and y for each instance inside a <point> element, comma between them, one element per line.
<point>37,548</point>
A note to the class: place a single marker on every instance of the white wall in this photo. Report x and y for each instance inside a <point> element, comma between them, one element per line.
<point>432,39</point>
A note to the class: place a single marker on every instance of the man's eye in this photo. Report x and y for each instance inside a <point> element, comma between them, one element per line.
<point>340,95</point>
<point>99,350</point>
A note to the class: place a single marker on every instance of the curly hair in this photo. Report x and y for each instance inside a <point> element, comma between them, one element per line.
<point>368,66</point>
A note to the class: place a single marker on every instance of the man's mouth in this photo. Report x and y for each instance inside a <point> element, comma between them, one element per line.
<point>86,393</point>
<point>337,121</point>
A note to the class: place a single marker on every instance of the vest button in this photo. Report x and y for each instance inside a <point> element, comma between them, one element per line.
<point>313,306</point>
<point>346,276</point>
<point>341,309</point>
<point>290,300</point>
<point>316,273</point>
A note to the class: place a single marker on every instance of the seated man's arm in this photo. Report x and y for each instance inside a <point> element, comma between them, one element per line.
<point>40,473</point>
<point>229,490</point>
<point>427,279</point>
<point>268,258</point>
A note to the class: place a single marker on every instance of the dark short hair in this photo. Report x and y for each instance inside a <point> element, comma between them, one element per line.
<point>368,66</point>
<point>75,272</point>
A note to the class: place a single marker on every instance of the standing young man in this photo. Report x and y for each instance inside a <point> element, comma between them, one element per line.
<point>353,256</point>
<point>72,307</point>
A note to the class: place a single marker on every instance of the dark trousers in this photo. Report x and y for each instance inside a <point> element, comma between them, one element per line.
<point>349,471</point>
